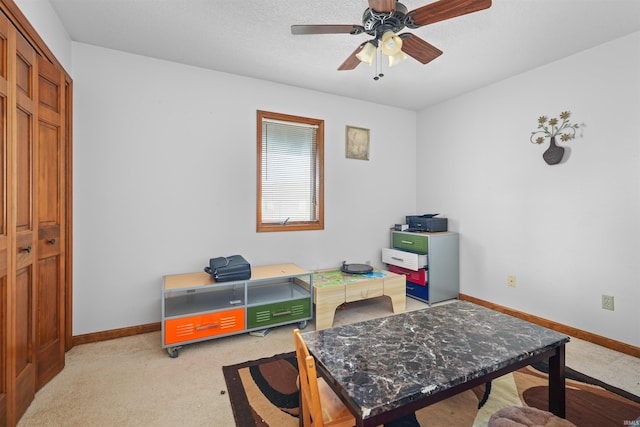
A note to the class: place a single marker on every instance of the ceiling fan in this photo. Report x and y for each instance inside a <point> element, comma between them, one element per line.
<point>383,19</point>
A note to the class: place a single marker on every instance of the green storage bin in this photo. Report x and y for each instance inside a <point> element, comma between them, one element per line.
<point>278,312</point>
<point>411,242</point>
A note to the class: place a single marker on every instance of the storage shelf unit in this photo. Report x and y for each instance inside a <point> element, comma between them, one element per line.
<point>429,261</point>
<point>196,308</point>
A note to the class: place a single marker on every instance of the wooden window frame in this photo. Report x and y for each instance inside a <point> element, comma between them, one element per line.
<point>318,224</point>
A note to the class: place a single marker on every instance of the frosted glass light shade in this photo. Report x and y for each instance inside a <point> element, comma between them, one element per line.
<point>397,58</point>
<point>367,53</point>
<point>390,43</point>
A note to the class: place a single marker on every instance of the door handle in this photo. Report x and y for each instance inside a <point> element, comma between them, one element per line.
<point>205,327</point>
<point>51,241</point>
<point>27,249</point>
<point>282,313</point>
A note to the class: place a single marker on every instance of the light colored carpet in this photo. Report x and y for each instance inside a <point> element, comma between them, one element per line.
<point>133,382</point>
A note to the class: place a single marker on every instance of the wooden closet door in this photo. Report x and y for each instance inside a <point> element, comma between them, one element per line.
<point>4,238</point>
<point>35,157</point>
<point>24,300</point>
<point>50,285</point>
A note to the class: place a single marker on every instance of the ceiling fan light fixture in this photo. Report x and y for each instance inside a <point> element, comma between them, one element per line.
<point>397,58</point>
<point>384,19</point>
<point>367,53</point>
<point>391,44</point>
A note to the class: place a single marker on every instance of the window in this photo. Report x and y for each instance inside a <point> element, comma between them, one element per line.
<point>290,173</point>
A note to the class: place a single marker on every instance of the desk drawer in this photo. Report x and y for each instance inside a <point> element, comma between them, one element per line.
<point>203,326</point>
<point>419,277</point>
<point>411,242</point>
<point>362,290</point>
<point>403,259</point>
<point>278,312</point>
<point>417,291</point>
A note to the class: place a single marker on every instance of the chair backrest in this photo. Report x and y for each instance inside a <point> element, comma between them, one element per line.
<point>309,393</point>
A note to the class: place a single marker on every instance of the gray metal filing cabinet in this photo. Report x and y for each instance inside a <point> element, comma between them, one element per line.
<point>430,262</point>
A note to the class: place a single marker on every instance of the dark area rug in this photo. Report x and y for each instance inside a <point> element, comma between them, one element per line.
<point>270,398</point>
<point>263,393</point>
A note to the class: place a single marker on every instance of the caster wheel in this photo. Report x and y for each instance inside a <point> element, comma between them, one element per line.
<point>173,352</point>
<point>302,325</point>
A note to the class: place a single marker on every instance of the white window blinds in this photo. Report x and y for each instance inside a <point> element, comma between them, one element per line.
<point>289,172</point>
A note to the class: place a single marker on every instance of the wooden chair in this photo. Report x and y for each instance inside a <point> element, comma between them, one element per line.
<point>320,406</point>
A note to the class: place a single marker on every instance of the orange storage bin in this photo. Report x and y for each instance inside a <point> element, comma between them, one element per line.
<point>191,328</point>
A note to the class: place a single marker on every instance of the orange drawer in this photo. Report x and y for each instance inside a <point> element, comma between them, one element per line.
<point>418,277</point>
<point>203,326</point>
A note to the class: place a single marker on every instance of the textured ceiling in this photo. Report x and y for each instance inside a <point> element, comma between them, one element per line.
<point>253,38</point>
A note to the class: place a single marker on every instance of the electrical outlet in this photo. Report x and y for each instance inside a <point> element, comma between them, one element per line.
<point>607,302</point>
<point>511,281</point>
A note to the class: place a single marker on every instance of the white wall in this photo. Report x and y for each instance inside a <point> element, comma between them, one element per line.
<point>164,161</point>
<point>43,18</point>
<point>568,232</point>
<point>164,179</point>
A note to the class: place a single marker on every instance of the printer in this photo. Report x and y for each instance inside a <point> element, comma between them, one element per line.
<point>427,222</point>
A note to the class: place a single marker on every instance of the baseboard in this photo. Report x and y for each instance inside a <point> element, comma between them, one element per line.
<point>574,332</point>
<point>115,333</point>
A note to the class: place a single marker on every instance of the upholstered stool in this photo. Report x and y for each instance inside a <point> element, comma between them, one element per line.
<point>517,416</point>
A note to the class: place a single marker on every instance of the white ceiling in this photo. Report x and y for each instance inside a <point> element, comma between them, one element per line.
<point>253,38</point>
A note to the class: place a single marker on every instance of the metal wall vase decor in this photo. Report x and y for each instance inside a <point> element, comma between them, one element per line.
<point>554,153</point>
<point>550,128</point>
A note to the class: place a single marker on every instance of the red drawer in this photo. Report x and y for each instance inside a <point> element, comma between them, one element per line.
<point>419,277</point>
<point>203,325</point>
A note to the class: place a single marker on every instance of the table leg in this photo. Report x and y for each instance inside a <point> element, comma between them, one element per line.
<point>557,403</point>
<point>324,316</point>
<point>395,288</point>
<point>327,299</point>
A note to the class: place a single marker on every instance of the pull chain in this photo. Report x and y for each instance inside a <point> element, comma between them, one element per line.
<point>378,71</point>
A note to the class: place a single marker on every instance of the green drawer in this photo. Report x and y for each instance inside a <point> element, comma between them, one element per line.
<point>278,312</point>
<point>411,242</point>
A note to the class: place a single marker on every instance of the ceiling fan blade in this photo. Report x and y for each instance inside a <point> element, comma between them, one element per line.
<point>326,29</point>
<point>446,9</point>
<point>419,49</point>
<point>351,62</point>
<point>382,5</point>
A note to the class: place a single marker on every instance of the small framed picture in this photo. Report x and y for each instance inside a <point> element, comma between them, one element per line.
<point>357,143</point>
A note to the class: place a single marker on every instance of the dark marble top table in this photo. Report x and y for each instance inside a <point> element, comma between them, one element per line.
<point>387,367</point>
